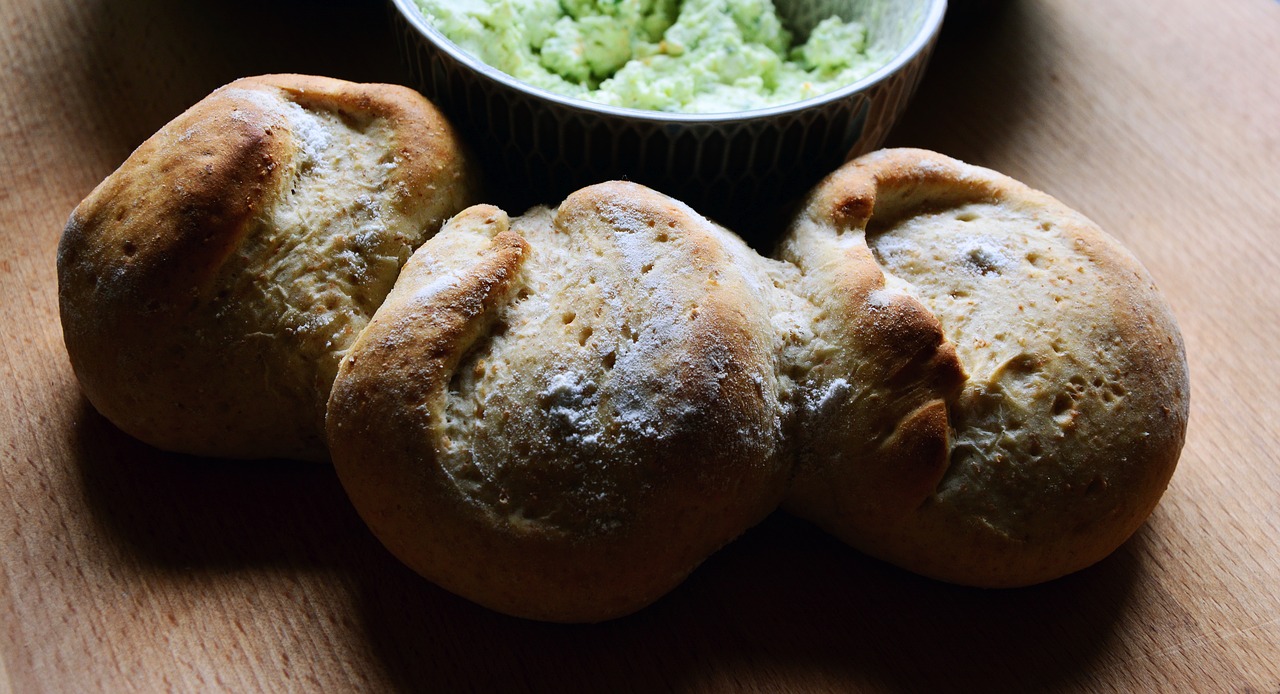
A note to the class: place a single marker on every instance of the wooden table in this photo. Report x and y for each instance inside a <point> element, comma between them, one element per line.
<point>128,569</point>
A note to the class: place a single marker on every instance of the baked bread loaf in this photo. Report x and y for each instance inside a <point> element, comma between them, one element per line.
<point>209,287</point>
<point>560,416</point>
<point>1063,377</point>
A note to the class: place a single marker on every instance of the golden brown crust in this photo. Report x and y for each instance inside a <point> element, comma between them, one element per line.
<point>187,198</point>
<point>191,281</point>
<point>621,425</point>
<point>872,436</point>
<point>1073,414</point>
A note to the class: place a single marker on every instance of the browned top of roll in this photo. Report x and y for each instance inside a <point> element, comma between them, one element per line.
<point>560,416</point>
<point>209,286</point>
<point>1074,406</point>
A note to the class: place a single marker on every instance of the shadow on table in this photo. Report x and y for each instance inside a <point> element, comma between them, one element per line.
<point>178,511</point>
<point>166,56</point>
<point>784,605</point>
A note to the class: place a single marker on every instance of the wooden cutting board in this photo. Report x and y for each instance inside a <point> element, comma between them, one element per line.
<point>127,569</point>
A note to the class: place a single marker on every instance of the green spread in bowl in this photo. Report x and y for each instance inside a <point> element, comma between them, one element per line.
<point>691,56</point>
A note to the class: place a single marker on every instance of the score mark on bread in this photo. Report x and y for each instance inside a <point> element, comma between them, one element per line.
<point>1070,421</point>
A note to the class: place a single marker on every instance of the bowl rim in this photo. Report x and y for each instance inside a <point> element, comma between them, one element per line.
<point>923,37</point>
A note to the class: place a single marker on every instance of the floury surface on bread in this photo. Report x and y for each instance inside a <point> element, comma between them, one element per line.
<point>1067,424</point>
<point>209,287</point>
<point>560,415</point>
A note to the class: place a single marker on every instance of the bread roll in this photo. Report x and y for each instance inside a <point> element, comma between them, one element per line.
<point>1031,443</point>
<point>209,287</point>
<point>560,416</point>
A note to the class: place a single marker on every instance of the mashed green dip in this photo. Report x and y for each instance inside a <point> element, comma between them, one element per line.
<point>693,56</point>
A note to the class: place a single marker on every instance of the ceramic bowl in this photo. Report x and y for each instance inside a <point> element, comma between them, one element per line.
<point>536,146</point>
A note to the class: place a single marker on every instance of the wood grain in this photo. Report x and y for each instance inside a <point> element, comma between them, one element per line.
<point>128,569</point>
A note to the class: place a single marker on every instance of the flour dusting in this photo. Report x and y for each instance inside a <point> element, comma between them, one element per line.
<point>817,401</point>
<point>571,401</point>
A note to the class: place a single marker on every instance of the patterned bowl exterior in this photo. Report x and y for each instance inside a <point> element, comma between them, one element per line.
<point>742,168</point>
